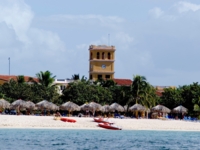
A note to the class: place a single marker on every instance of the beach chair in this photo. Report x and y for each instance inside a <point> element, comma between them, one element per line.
<point>122,116</point>
<point>185,118</point>
<point>116,115</point>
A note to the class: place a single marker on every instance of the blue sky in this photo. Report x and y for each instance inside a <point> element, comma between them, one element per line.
<point>153,38</point>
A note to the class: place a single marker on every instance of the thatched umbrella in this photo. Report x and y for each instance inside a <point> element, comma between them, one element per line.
<point>95,107</point>
<point>180,109</point>
<point>125,108</point>
<point>17,104</point>
<point>4,104</point>
<point>85,107</point>
<point>161,108</point>
<point>53,106</point>
<point>29,106</point>
<point>116,107</point>
<point>70,106</point>
<point>43,105</point>
<point>46,105</point>
<point>105,108</point>
<point>137,107</point>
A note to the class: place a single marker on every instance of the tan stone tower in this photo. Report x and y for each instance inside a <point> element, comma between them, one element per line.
<point>102,60</point>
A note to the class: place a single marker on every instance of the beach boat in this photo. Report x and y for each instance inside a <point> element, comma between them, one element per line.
<point>101,120</point>
<point>68,120</point>
<point>109,126</point>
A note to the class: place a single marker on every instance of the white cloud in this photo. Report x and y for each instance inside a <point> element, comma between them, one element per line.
<point>156,12</point>
<point>17,15</point>
<point>27,46</point>
<point>91,21</point>
<point>123,37</point>
<point>186,6</point>
<point>101,18</point>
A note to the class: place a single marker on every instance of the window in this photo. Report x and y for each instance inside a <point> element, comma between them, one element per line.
<point>98,55</point>
<point>99,76</point>
<point>107,76</point>
<point>62,87</point>
<point>90,77</point>
<point>103,55</point>
<point>90,55</point>
<point>108,55</point>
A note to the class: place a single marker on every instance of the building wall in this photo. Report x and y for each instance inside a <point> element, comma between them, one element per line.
<point>101,62</point>
<point>2,82</point>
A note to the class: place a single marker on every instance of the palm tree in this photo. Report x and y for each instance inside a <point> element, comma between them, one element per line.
<point>149,98</point>
<point>45,78</point>
<point>20,79</point>
<point>139,86</point>
<point>75,77</point>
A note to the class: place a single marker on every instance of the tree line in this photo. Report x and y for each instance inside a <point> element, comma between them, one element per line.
<point>101,91</point>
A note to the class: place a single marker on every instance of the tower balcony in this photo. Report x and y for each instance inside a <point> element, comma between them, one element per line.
<point>101,60</point>
<point>101,72</point>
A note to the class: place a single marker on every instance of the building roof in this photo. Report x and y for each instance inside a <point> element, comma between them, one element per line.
<point>8,77</point>
<point>125,82</point>
<point>159,93</point>
<point>128,82</point>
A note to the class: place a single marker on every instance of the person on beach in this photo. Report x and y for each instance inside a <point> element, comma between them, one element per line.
<point>57,114</point>
<point>87,113</point>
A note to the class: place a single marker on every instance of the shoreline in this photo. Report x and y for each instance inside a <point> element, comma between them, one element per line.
<point>87,123</point>
<point>44,128</point>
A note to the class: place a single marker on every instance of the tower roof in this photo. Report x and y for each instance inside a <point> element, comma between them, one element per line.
<point>102,47</point>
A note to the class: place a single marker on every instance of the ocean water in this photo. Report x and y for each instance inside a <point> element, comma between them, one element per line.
<point>55,139</point>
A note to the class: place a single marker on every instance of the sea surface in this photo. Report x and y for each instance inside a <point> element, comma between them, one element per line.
<point>56,139</point>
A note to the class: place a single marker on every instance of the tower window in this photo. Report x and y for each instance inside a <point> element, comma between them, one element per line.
<point>99,76</point>
<point>98,56</point>
<point>107,76</point>
<point>90,77</point>
<point>90,55</point>
<point>103,55</point>
<point>108,55</point>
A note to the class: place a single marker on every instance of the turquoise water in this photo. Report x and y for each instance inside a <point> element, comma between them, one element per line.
<point>44,139</point>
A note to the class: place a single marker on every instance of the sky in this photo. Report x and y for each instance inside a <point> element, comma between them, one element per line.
<point>156,39</point>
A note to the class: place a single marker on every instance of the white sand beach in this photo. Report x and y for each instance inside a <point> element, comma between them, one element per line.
<point>47,122</point>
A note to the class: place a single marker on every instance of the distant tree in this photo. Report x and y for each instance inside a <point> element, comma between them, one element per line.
<point>171,97</point>
<point>20,79</point>
<point>75,77</point>
<point>139,85</point>
<point>45,78</point>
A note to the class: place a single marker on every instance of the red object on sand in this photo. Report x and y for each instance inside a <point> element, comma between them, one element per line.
<point>68,120</point>
<point>109,126</point>
<point>101,120</point>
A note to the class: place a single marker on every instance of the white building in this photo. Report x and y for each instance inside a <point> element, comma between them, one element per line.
<point>62,84</point>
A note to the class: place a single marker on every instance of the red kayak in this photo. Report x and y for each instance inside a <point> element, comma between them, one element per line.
<point>109,126</point>
<point>68,120</point>
<point>102,120</point>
